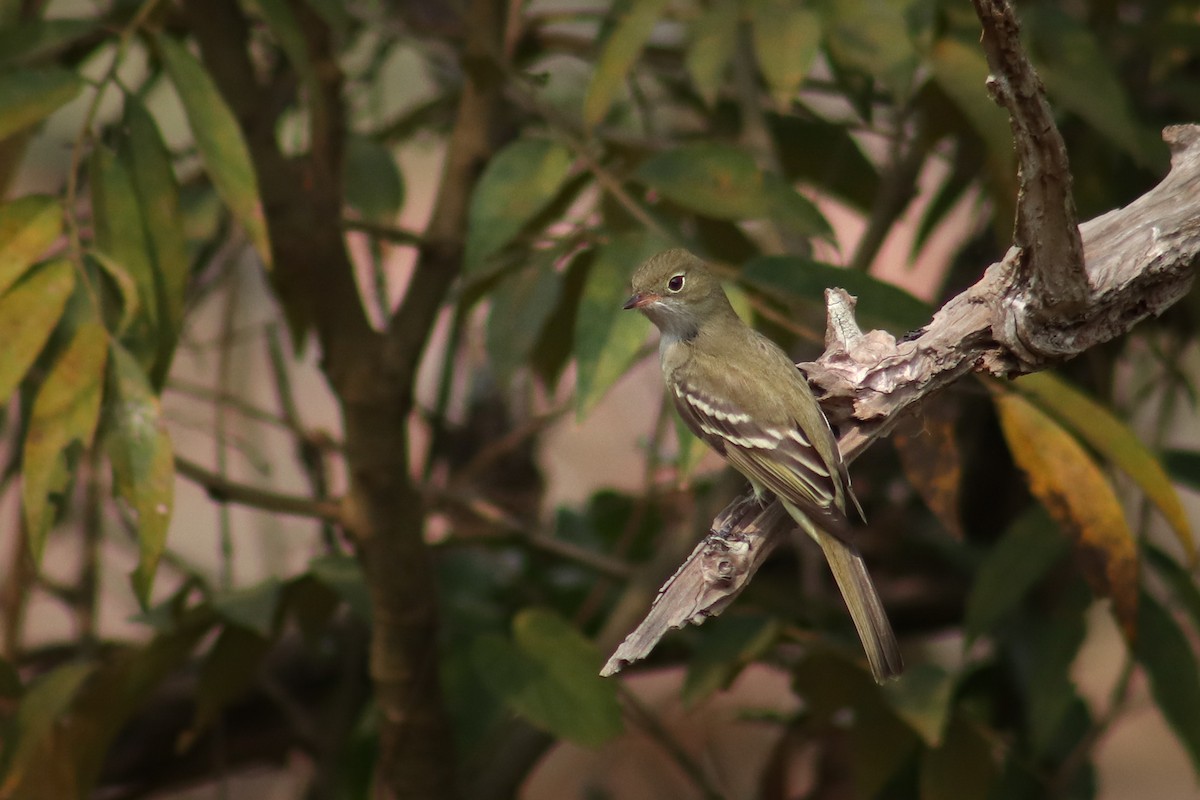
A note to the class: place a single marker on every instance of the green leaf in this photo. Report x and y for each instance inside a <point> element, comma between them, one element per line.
<point>158,199</point>
<point>228,673</point>
<point>142,459</point>
<point>219,140</point>
<point>1109,436</point>
<point>1013,566</point>
<point>1183,466</point>
<point>960,70</point>
<point>826,154</point>
<point>872,36</point>
<point>62,422</point>
<point>1080,76</point>
<point>1164,651</point>
<point>549,674</point>
<point>520,305</point>
<point>713,40</point>
<point>711,179</point>
<point>727,647</point>
<point>607,337</point>
<point>26,42</point>
<point>633,22</point>
<point>1181,582</point>
<point>28,313</point>
<point>127,288</point>
<point>1073,488</point>
<point>344,575</point>
<point>287,32</point>
<point>41,708</point>
<point>882,746</point>
<point>82,737</point>
<point>374,185</point>
<point>27,96</point>
<point>922,697</point>
<point>520,181</point>
<point>121,235</point>
<point>1048,644</point>
<point>28,226</point>
<point>804,279</point>
<point>962,767</point>
<point>786,40</point>
<point>556,343</point>
<point>255,608</point>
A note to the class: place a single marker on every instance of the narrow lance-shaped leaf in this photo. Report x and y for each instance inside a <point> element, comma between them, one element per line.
<point>728,646</point>
<point>28,313</point>
<point>121,239</point>
<point>549,673</point>
<point>1114,440</point>
<point>1164,650</point>
<point>964,765</point>
<point>1022,556</point>
<point>961,71</point>
<point>28,96</point>
<point>1080,499</point>
<point>924,699</point>
<point>520,306</point>
<point>607,338</point>
<point>888,305</point>
<point>872,37</point>
<point>158,196</point>
<point>62,423</point>
<point>714,37</point>
<point>229,671</point>
<point>283,24</point>
<point>143,464</point>
<point>28,225</point>
<point>219,140</point>
<point>1081,77</point>
<point>634,20</point>
<point>26,42</point>
<point>27,735</point>
<point>712,179</point>
<point>518,183</point>
<point>786,39</point>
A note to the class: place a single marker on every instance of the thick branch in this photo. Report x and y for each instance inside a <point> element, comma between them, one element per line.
<point>1046,230</point>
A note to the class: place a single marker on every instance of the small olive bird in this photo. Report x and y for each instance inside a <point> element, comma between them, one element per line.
<point>741,394</point>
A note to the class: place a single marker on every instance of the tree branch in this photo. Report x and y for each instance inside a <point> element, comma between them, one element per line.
<point>1046,227</point>
<point>224,490</point>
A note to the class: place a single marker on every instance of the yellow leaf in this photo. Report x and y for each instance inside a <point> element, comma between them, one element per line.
<point>1073,489</point>
<point>64,415</point>
<point>1111,437</point>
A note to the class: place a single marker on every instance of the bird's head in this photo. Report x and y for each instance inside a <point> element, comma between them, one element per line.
<point>677,292</point>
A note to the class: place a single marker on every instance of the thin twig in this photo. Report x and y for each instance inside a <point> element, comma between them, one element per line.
<point>224,490</point>
<point>641,716</point>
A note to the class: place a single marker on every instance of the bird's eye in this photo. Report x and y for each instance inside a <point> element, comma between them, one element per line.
<point>676,283</point>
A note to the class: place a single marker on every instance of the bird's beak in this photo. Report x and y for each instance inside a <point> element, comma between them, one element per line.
<point>640,300</point>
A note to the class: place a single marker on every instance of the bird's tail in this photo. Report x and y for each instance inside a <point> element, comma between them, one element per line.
<point>858,590</point>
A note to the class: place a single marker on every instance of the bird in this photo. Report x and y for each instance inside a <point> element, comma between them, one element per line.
<point>742,395</point>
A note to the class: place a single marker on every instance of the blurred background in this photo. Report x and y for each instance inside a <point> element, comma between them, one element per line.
<point>230,227</point>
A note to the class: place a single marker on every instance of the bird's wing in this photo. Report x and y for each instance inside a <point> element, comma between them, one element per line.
<point>776,457</point>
